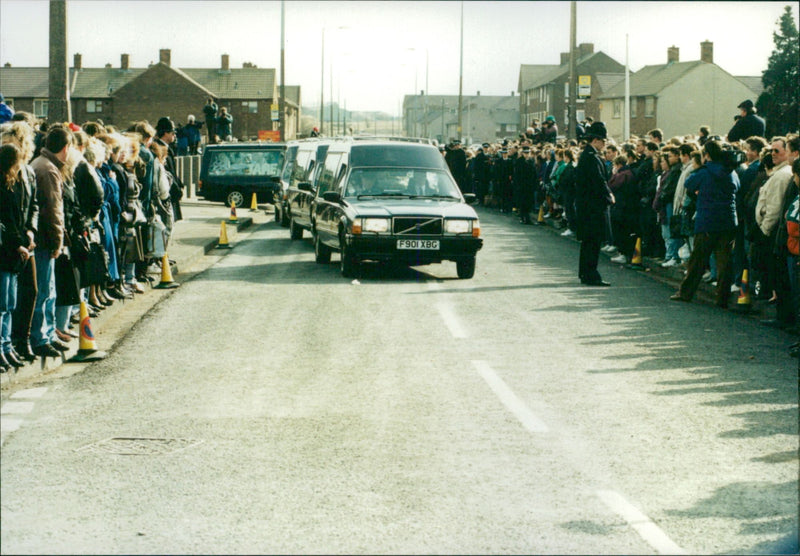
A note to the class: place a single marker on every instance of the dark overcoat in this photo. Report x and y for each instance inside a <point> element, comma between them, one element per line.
<point>592,195</point>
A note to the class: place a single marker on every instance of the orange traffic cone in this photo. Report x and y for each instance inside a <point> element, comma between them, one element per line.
<point>744,293</point>
<point>87,349</point>
<point>223,237</point>
<point>254,203</point>
<point>233,219</point>
<point>166,275</point>
<point>540,219</point>
<point>636,260</point>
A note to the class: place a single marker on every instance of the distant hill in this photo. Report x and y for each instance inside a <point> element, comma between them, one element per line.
<point>349,115</point>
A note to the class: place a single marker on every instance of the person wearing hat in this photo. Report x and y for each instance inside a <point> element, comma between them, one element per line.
<point>748,125</point>
<point>456,160</point>
<point>592,199</point>
<point>550,130</point>
<point>165,136</point>
<point>482,172</point>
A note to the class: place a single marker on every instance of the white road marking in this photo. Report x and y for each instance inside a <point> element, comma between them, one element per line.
<point>451,320</point>
<point>29,393</point>
<point>17,407</point>
<point>649,531</point>
<point>510,399</point>
<point>8,424</point>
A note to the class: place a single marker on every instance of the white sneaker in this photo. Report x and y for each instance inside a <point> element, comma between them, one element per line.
<point>567,233</point>
<point>734,288</point>
<point>620,258</point>
<point>670,263</point>
<point>609,249</point>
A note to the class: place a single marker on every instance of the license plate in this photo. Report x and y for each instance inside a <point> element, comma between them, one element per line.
<point>419,244</point>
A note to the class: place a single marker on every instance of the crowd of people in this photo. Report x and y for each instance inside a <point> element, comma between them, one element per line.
<point>86,213</point>
<point>724,210</point>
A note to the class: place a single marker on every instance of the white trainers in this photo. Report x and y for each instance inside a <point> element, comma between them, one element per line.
<point>670,263</point>
<point>608,249</point>
<point>567,233</point>
<point>619,258</point>
<point>734,288</point>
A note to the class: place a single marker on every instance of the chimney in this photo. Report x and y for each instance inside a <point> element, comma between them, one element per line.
<point>124,61</point>
<point>108,65</point>
<point>564,58</point>
<point>707,52</point>
<point>673,54</point>
<point>226,62</point>
<point>479,93</point>
<point>585,48</point>
<point>164,56</point>
<point>76,61</point>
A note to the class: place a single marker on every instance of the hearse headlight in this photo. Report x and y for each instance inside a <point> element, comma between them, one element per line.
<point>375,225</point>
<point>458,227</point>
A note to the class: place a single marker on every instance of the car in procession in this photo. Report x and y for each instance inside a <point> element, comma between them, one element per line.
<point>232,172</point>
<point>392,201</point>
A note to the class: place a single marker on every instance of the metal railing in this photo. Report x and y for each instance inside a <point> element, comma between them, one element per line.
<point>188,169</point>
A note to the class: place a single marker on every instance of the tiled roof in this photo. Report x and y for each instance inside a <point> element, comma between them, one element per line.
<point>239,83</point>
<point>607,80</point>
<point>651,80</point>
<point>530,74</point>
<point>24,82</point>
<point>753,83</point>
<point>542,76</point>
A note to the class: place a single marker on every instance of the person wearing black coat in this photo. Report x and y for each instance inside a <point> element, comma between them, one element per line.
<point>525,182</point>
<point>592,199</point>
<point>749,125</point>
<point>456,160</point>
<point>15,245</point>
<point>482,173</point>
<point>165,136</point>
<point>504,175</point>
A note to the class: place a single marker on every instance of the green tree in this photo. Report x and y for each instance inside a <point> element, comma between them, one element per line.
<point>778,104</point>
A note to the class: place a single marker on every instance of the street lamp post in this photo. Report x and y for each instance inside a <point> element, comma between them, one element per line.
<point>322,82</point>
<point>460,72</point>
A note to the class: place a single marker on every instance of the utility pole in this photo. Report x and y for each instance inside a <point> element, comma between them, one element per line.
<point>626,125</point>
<point>572,119</point>
<point>58,105</point>
<point>282,97</point>
<point>322,85</point>
<point>460,72</point>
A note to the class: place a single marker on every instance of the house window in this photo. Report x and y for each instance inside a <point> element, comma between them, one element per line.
<point>617,108</point>
<point>634,105</point>
<point>649,107</point>
<point>40,108</point>
<point>250,107</point>
<point>511,128</point>
<point>93,106</point>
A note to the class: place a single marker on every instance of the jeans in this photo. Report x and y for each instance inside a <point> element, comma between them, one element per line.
<point>63,314</point>
<point>8,302</point>
<point>672,245</point>
<point>43,328</point>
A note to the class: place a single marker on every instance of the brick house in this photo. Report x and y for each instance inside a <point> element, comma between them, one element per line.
<point>678,97</point>
<point>120,96</point>
<point>543,88</point>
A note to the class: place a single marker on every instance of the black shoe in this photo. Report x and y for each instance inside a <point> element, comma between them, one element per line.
<point>23,350</point>
<point>600,283</point>
<point>46,350</point>
<point>679,297</point>
<point>13,359</point>
<point>60,346</point>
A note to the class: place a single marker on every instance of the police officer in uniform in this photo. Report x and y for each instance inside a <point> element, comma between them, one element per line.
<point>592,201</point>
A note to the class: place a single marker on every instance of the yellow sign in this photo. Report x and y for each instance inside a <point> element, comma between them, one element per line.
<point>585,80</point>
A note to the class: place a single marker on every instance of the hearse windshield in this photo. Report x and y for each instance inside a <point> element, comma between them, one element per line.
<point>401,182</point>
<point>246,163</point>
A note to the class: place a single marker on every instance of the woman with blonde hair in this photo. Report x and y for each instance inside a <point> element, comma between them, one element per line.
<point>21,134</point>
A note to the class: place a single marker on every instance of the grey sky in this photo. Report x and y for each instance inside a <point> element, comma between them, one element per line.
<point>373,66</point>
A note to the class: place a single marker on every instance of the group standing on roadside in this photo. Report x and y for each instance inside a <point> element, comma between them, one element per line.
<point>83,213</point>
<point>724,210</point>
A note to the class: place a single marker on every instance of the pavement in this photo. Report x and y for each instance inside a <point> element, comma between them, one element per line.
<point>197,235</point>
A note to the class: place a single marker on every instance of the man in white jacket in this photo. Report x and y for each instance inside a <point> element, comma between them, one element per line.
<point>771,194</point>
<point>771,199</point>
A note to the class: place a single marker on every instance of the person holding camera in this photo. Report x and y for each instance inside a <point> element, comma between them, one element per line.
<point>714,187</point>
<point>748,124</point>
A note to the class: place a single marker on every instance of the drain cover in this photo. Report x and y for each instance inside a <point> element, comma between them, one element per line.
<point>126,446</point>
